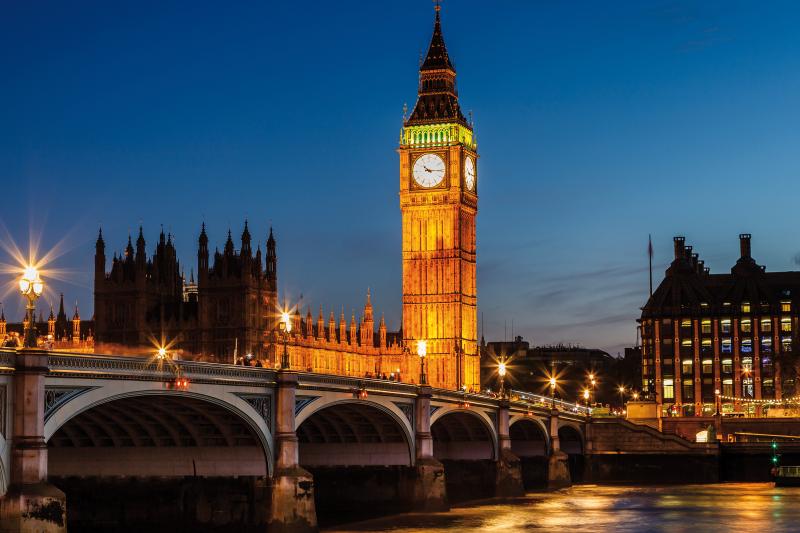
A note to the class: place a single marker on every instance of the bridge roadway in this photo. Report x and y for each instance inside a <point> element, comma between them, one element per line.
<point>67,415</point>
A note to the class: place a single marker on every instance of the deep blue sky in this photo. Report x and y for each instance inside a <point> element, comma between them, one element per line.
<point>597,122</point>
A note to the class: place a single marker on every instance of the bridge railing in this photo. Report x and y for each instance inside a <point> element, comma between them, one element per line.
<point>538,400</point>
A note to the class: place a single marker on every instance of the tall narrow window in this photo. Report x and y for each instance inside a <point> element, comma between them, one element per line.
<point>745,307</point>
<point>725,325</point>
<point>727,366</point>
<point>747,346</point>
<point>786,306</point>
<point>669,389</point>
<point>727,346</point>
<point>786,324</point>
<point>707,366</point>
<point>727,387</point>
<point>686,366</point>
<point>746,325</point>
<point>705,327</point>
<point>766,325</point>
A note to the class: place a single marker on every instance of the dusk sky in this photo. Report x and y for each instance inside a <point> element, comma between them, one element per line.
<point>598,123</point>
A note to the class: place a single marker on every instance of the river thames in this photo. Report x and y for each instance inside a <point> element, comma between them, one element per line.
<point>745,507</point>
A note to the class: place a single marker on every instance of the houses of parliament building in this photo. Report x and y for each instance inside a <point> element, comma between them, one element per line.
<point>231,308</point>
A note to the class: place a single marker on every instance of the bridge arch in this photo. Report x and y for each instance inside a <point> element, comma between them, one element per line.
<point>529,437</point>
<point>220,402</point>
<point>350,432</point>
<point>570,438</point>
<point>463,434</point>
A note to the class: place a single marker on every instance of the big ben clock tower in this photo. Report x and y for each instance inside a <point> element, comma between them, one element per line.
<point>439,202</point>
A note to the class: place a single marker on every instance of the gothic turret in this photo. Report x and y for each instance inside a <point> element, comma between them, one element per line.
<point>272,263</point>
<point>76,326</point>
<point>320,325</point>
<point>99,259</point>
<point>202,255</point>
<point>141,253</point>
<point>62,324</point>
<point>368,324</point>
<point>51,324</point>
<point>382,332</point>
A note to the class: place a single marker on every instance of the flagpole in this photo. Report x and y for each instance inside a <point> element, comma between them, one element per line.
<point>650,257</point>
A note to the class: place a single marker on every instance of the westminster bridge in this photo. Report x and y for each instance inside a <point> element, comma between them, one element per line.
<point>283,445</point>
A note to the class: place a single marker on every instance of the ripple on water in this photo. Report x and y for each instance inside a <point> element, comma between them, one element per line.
<point>730,507</point>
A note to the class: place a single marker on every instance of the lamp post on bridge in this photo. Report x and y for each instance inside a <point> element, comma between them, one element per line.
<point>552,392</point>
<point>501,370</point>
<point>286,329</point>
<point>31,286</point>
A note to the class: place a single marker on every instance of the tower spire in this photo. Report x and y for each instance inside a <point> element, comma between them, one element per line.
<point>437,99</point>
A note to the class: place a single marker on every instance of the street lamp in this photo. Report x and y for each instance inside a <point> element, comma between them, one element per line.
<point>635,396</point>
<point>621,390</point>
<point>31,286</point>
<point>501,371</point>
<point>286,328</point>
<point>593,382</point>
<point>552,392</point>
<point>422,351</point>
<point>586,397</point>
<point>716,402</point>
<point>161,354</point>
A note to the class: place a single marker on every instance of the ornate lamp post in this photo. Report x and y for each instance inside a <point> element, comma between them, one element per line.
<point>586,397</point>
<point>31,286</point>
<point>422,351</point>
<point>593,382</point>
<point>621,390</point>
<point>552,392</point>
<point>286,329</point>
<point>501,370</point>
<point>716,402</point>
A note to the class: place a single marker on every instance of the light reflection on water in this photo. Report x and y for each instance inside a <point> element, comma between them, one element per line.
<point>731,507</point>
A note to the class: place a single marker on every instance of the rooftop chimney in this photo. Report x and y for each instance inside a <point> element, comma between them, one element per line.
<point>744,245</point>
<point>688,253</point>
<point>679,246</point>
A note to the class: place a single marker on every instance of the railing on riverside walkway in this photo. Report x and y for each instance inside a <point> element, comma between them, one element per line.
<point>538,400</point>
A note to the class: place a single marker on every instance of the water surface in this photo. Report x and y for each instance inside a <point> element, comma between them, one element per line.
<point>730,507</point>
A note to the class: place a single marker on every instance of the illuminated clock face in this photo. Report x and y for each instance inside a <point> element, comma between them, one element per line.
<point>429,170</point>
<point>469,173</point>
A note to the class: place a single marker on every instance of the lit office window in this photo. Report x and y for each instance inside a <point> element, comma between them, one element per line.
<point>686,366</point>
<point>747,346</point>
<point>745,307</point>
<point>766,325</point>
<point>786,324</point>
<point>669,389</point>
<point>747,364</point>
<point>705,327</point>
<point>747,387</point>
<point>766,344</point>
<point>727,346</point>
<point>727,366</point>
<point>727,387</point>
<point>707,366</point>
<point>746,325</point>
<point>725,325</point>
<point>786,306</point>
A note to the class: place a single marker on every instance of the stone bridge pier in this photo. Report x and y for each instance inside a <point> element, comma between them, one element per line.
<point>30,504</point>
